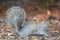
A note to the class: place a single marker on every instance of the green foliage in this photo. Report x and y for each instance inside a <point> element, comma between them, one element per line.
<point>45,3</point>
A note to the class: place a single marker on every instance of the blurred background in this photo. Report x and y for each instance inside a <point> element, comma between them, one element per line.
<point>32,6</point>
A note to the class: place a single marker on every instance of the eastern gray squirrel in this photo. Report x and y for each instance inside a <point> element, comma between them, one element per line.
<point>17,16</point>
